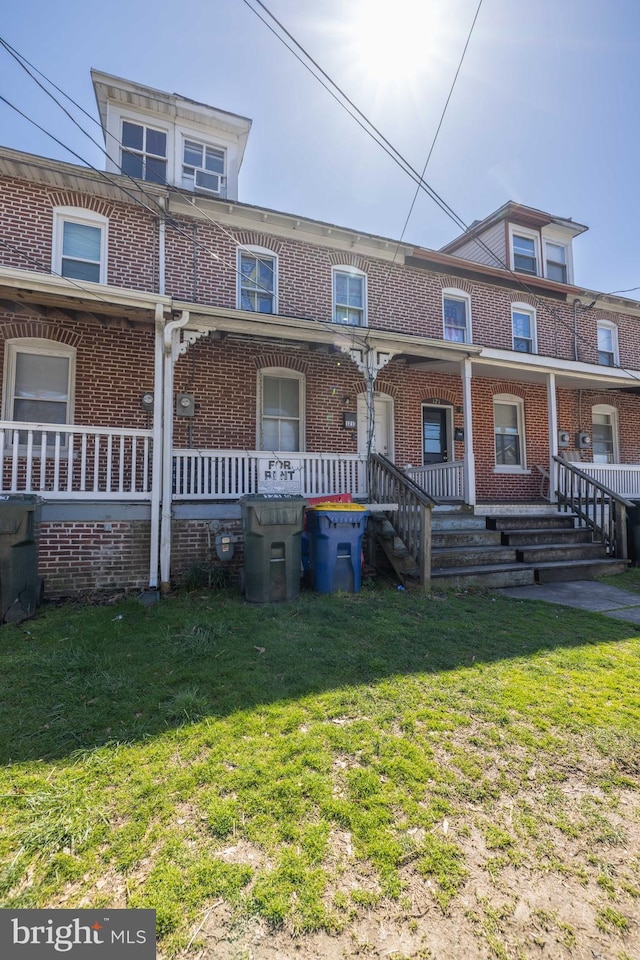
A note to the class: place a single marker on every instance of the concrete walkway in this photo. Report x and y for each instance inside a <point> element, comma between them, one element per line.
<point>583,594</point>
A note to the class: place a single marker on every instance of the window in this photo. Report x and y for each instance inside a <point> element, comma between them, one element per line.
<point>144,152</point>
<point>281,401</point>
<point>38,379</point>
<point>79,244</point>
<point>508,420</point>
<point>203,167</point>
<point>556,261</point>
<point>350,297</point>
<point>607,344</point>
<point>456,311</point>
<point>605,434</point>
<point>524,254</point>
<point>523,322</point>
<point>257,280</point>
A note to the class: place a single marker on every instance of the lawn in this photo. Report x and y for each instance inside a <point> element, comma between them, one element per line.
<point>460,771</point>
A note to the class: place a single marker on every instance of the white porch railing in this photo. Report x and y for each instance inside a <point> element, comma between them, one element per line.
<point>623,478</point>
<point>230,474</point>
<point>74,462</point>
<point>443,481</point>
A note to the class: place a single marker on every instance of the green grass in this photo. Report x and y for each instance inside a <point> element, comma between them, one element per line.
<point>208,749</point>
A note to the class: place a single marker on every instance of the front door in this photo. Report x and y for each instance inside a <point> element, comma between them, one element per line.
<point>382,439</point>
<point>435,435</point>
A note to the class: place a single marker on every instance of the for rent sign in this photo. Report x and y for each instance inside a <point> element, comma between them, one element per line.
<point>80,934</point>
<point>279,475</point>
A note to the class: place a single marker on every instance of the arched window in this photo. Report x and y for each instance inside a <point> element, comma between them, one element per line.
<point>350,296</point>
<point>456,314</point>
<point>79,248</point>
<point>508,428</point>
<point>257,280</point>
<point>523,325</point>
<point>38,381</point>
<point>605,440</point>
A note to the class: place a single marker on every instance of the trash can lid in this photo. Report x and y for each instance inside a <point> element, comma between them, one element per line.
<point>330,505</point>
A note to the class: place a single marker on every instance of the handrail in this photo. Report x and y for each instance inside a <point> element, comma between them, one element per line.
<point>412,518</point>
<point>596,506</point>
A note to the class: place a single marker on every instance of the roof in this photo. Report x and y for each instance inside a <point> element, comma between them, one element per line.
<point>515,213</point>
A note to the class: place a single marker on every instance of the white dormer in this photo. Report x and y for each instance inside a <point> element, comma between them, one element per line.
<point>523,240</point>
<point>168,139</point>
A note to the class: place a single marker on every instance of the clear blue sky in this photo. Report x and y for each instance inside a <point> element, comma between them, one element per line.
<point>545,110</point>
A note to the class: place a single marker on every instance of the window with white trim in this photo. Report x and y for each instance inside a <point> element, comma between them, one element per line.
<point>508,428</point>
<point>350,296</point>
<point>79,249</point>
<point>456,315</point>
<point>280,410</point>
<point>203,168</point>
<point>555,261</point>
<point>38,382</point>
<point>608,344</point>
<point>604,434</point>
<point>257,280</point>
<point>144,152</point>
<point>523,325</point>
<point>524,251</point>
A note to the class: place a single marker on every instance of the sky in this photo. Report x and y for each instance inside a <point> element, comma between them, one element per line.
<point>544,110</point>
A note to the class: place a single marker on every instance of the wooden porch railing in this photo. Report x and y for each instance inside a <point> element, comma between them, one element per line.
<point>230,474</point>
<point>596,506</point>
<point>75,462</point>
<point>444,481</point>
<point>412,519</point>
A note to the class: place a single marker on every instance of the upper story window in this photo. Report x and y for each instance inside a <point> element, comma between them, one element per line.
<point>257,280</point>
<point>456,312</point>
<point>523,322</point>
<point>525,258</point>
<point>555,261</point>
<point>38,382</point>
<point>281,410</point>
<point>608,344</point>
<point>79,249</point>
<point>203,167</point>
<point>144,152</point>
<point>508,426</point>
<point>350,296</point>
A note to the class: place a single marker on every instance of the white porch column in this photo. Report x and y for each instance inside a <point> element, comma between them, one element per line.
<point>469,459</point>
<point>170,356</point>
<point>552,409</point>
<point>156,468</point>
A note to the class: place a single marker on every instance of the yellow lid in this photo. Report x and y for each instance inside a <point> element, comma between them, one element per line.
<point>330,505</point>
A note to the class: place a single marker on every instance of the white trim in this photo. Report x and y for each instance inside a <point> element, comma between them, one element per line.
<point>89,218</point>
<point>354,272</point>
<point>509,399</point>
<point>152,122</point>
<point>516,230</point>
<point>39,347</point>
<point>521,307</point>
<point>454,293</point>
<point>383,403</point>
<point>608,325</point>
<point>261,253</point>
<point>565,247</point>
<point>448,429</point>
<point>607,410</point>
<point>282,373</point>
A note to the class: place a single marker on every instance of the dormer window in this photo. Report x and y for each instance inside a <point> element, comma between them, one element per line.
<point>144,152</point>
<point>524,254</point>
<point>556,261</point>
<point>203,168</point>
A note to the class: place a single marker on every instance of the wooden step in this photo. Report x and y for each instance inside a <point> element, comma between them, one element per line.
<point>533,522</point>
<point>487,577</point>
<point>464,556</point>
<point>518,538</point>
<point>472,538</point>
<point>554,552</point>
<point>563,571</point>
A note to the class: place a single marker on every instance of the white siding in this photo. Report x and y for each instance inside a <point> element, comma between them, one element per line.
<point>480,250</point>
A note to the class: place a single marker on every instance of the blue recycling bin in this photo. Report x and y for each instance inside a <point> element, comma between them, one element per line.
<point>335,546</point>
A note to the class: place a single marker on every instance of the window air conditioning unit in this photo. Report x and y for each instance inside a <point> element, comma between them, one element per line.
<point>583,439</point>
<point>208,182</point>
<point>563,438</point>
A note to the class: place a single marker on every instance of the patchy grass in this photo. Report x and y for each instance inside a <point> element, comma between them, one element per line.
<point>303,763</point>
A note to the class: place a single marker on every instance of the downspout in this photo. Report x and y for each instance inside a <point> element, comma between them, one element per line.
<point>576,304</point>
<point>162,250</point>
<point>156,462</point>
<point>167,449</point>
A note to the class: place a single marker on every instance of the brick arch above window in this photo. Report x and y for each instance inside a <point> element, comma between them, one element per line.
<point>39,330</point>
<point>515,390</point>
<point>272,360</point>
<point>455,283</point>
<point>388,389</point>
<point>250,238</point>
<point>67,198</point>
<point>349,260</point>
<point>445,397</point>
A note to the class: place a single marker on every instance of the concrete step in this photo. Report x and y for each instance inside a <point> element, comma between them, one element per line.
<point>553,552</point>
<point>488,577</point>
<point>533,522</point>
<point>518,538</point>
<point>563,570</point>
<point>465,556</point>
<point>472,538</point>
<point>457,521</point>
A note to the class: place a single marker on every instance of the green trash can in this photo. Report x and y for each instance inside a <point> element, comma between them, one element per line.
<point>273,528</point>
<point>20,586</point>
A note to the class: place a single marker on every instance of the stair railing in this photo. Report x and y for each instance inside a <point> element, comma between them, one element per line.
<point>596,506</point>
<point>412,518</point>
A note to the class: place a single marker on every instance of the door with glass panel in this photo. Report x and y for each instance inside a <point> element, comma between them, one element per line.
<point>436,436</point>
